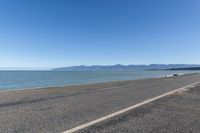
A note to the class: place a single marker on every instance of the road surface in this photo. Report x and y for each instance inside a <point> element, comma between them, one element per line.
<point>176,113</point>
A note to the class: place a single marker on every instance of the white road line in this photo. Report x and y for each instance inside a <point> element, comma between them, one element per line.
<point>80,127</point>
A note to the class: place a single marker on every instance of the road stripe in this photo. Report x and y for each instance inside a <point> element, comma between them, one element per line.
<point>86,125</point>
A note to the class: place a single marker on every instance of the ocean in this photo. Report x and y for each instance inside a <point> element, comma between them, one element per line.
<point>15,80</point>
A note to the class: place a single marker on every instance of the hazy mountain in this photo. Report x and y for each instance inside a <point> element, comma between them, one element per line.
<point>124,67</point>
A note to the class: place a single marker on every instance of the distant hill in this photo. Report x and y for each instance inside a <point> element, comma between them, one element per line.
<point>187,68</point>
<point>120,67</point>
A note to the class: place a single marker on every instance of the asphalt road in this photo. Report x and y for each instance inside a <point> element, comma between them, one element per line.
<point>177,113</point>
<point>58,109</point>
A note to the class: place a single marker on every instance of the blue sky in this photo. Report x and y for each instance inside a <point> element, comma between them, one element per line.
<point>56,33</point>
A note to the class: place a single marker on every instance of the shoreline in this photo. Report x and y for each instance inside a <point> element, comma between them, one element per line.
<point>62,108</point>
<point>97,83</point>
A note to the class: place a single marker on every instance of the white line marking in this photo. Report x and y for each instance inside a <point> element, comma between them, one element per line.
<point>78,128</point>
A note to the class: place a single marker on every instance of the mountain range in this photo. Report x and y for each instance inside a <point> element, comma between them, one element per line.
<point>120,67</point>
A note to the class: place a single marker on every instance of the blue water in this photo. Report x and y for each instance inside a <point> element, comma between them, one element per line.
<point>12,80</point>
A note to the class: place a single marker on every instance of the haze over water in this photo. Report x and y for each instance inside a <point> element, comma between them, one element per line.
<point>13,80</point>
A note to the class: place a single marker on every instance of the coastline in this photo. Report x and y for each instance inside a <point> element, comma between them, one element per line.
<point>61,108</point>
<point>97,83</point>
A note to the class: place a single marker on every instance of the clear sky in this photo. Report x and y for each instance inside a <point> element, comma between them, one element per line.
<point>57,33</point>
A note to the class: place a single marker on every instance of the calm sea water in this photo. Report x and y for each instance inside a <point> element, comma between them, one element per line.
<point>12,80</point>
